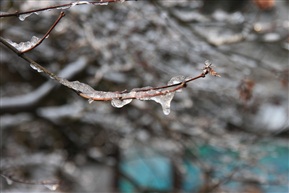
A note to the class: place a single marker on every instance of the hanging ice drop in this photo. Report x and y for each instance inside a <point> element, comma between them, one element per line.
<point>51,186</point>
<point>120,103</point>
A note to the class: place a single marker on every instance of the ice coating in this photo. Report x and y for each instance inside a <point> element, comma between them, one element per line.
<point>51,186</point>
<point>165,101</point>
<point>176,80</point>
<point>80,3</point>
<point>120,103</point>
<point>22,17</point>
<point>22,46</point>
<point>64,7</point>
<point>35,68</point>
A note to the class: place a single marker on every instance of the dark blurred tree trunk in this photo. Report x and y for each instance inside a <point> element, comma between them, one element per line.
<point>116,168</point>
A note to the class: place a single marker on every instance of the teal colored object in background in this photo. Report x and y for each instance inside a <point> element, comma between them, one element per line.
<point>154,171</point>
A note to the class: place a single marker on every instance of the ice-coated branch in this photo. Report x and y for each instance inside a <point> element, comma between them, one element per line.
<point>23,14</point>
<point>62,14</point>
<point>24,47</point>
<point>50,184</point>
<point>162,95</point>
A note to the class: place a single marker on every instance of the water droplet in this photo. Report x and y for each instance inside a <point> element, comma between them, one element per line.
<point>34,40</point>
<point>176,80</point>
<point>51,186</point>
<point>35,68</point>
<point>120,103</point>
<point>22,17</point>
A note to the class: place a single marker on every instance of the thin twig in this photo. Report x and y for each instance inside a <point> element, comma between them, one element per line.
<point>62,14</point>
<point>31,182</point>
<point>88,92</point>
<point>18,13</point>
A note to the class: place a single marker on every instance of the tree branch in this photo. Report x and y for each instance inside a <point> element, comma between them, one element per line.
<point>62,14</point>
<point>63,6</point>
<point>162,95</point>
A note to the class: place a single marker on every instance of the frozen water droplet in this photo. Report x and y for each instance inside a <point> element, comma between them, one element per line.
<point>64,7</point>
<point>22,17</point>
<point>120,103</point>
<point>90,101</point>
<point>176,80</point>
<point>51,186</point>
<point>8,180</point>
<point>83,2</point>
<point>35,68</point>
<point>165,101</point>
<point>24,45</point>
<point>34,40</point>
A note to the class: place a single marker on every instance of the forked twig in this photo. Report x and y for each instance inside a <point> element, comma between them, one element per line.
<point>66,5</point>
<point>162,94</point>
<point>62,14</point>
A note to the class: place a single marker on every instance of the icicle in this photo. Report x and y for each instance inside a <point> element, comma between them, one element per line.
<point>165,101</point>
<point>35,68</point>
<point>90,101</point>
<point>120,103</point>
<point>22,17</point>
<point>51,186</point>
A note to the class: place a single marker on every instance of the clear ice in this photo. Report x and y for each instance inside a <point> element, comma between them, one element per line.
<point>165,101</point>
<point>51,186</point>
<point>22,46</point>
<point>176,80</point>
<point>22,17</point>
<point>120,103</point>
<point>35,68</point>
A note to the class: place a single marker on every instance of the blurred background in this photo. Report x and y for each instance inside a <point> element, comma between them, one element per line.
<point>227,134</point>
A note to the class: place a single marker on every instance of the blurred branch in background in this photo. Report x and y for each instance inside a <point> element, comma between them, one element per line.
<point>224,134</point>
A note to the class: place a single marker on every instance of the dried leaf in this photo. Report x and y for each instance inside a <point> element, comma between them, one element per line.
<point>246,89</point>
<point>209,69</point>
